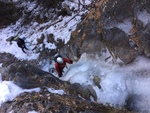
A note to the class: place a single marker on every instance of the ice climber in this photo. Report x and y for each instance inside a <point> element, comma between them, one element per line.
<point>20,43</point>
<point>60,63</point>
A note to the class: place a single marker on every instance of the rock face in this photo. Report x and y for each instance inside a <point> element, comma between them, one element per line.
<point>46,102</point>
<point>125,12</point>
<point>27,76</point>
<point>9,14</point>
<point>111,25</point>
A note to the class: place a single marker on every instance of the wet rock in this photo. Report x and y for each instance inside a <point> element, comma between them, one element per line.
<point>91,92</point>
<point>144,40</point>
<point>118,44</point>
<point>65,10</point>
<point>97,81</point>
<point>27,76</point>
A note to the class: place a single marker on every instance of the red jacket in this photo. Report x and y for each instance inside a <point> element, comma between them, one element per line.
<point>59,67</point>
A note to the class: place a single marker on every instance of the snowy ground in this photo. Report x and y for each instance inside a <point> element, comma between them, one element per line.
<point>118,82</point>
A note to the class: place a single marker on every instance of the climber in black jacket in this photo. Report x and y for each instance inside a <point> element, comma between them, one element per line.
<point>20,43</point>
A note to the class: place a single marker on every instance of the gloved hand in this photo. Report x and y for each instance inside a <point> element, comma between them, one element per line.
<point>60,75</point>
<point>71,61</point>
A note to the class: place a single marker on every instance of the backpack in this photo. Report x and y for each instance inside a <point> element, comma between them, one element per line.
<point>56,56</point>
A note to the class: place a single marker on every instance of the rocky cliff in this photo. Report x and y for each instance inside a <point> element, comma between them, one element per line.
<point>110,26</point>
<point>114,26</point>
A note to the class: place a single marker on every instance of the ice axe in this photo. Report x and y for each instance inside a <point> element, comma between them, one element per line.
<point>67,56</point>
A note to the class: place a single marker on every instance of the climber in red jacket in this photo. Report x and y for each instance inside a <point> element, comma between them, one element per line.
<point>60,63</point>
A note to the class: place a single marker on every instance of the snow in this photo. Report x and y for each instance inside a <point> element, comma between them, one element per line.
<point>143,16</point>
<point>33,112</point>
<point>117,82</point>
<point>8,91</point>
<point>1,64</point>
<point>60,92</point>
<point>126,26</point>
